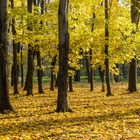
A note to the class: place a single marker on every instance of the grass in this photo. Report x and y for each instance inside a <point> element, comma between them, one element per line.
<point>46,79</point>
<point>95,116</point>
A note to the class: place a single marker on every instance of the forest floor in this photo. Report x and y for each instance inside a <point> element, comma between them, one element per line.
<point>95,116</point>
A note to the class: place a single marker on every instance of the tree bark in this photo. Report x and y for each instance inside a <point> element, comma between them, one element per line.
<point>106,51</point>
<point>123,71</point>
<point>21,67</point>
<point>102,73</point>
<point>70,84</point>
<point>77,76</point>
<point>15,67</point>
<point>26,81</point>
<point>116,77</point>
<point>132,85</point>
<point>4,89</point>
<point>39,72</point>
<point>87,68</point>
<point>12,75</point>
<point>91,72</point>
<point>62,102</point>
<point>30,71</point>
<point>15,47</point>
<point>31,55</point>
<point>52,74</point>
<point>57,78</point>
<point>90,52</point>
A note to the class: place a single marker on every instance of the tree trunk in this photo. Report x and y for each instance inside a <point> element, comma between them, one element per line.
<point>91,72</point>
<point>106,51</point>
<point>87,68</point>
<point>4,89</point>
<point>123,71</point>
<point>12,75</point>
<point>52,81</point>
<point>62,103</point>
<point>102,73</point>
<point>39,73</point>
<point>90,52</point>
<point>77,76</point>
<point>52,74</point>
<point>70,84</point>
<point>15,67</point>
<point>21,66</point>
<point>30,71</point>
<point>15,50</point>
<point>116,77</point>
<point>57,78</point>
<point>26,81</point>
<point>132,85</point>
<point>31,54</point>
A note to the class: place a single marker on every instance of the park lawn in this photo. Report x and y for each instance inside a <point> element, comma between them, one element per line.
<point>94,116</point>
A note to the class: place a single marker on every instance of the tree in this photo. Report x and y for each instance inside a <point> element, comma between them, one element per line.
<point>39,72</point>
<point>70,84</point>
<point>31,55</point>
<point>39,63</point>
<point>102,73</point>
<point>15,48</point>
<point>21,66</point>
<point>90,52</point>
<point>4,92</point>
<point>62,102</point>
<point>106,50</point>
<point>52,73</point>
<point>132,84</point>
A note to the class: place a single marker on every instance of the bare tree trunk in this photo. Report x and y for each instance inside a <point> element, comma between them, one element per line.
<point>39,72</point>
<point>106,51</point>
<point>30,71</point>
<point>15,67</point>
<point>15,48</point>
<point>31,55</point>
<point>52,74</point>
<point>102,73</point>
<point>26,81</point>
<point>21,66</point>
<point>70,84</point>
<point>57,78</point>
<point>4,89</point>
<point>132,85</point>
<point>116,77</point>
<point>12,75</point>
<point>62,103</point>
<point>77,76</point>
<point>91,72</point>
<point>123,71</point>
<point>87,68</point>
<point>90,52</point>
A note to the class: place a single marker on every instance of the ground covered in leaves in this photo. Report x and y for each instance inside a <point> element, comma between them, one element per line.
<point>95,116</point>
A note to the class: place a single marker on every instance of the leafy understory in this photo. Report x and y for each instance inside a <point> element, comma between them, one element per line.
<point>95,116</point>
